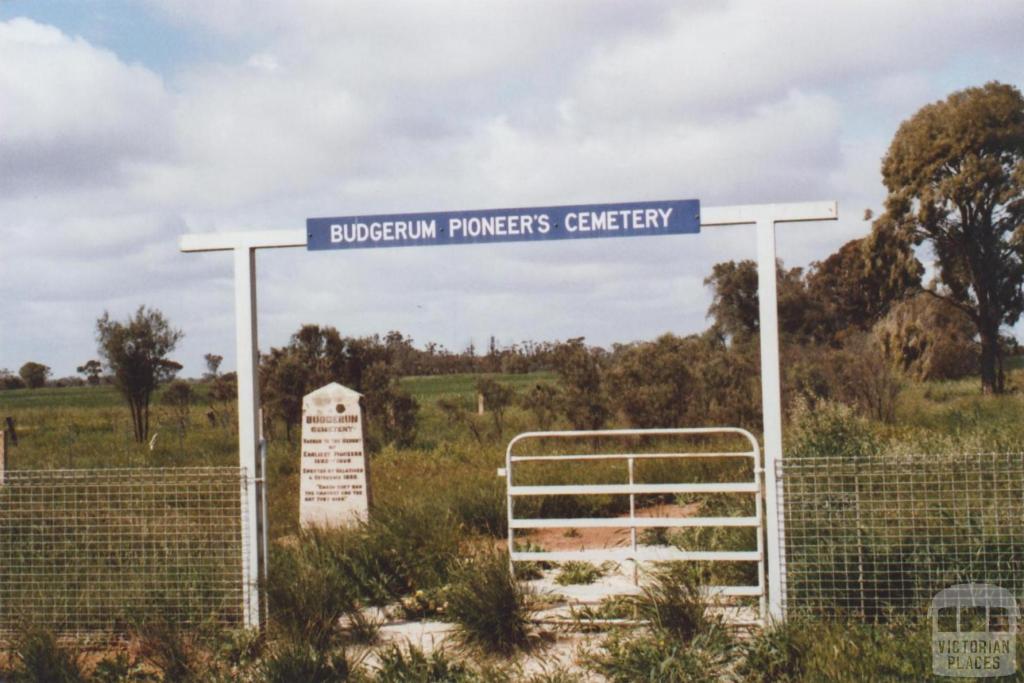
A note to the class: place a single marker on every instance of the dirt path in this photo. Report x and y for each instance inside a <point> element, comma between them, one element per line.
<point>592,539</point>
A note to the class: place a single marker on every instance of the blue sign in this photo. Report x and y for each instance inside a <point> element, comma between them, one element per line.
<point>505,225</point>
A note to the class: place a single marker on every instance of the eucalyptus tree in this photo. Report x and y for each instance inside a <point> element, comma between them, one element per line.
<point>955,178</point>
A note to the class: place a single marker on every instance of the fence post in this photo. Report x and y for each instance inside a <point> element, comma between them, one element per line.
<point>771,408</point>
<point>247,360</point>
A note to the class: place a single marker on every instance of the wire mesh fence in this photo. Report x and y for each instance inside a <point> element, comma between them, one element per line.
<point>95,553</point>
<point>876,537</point>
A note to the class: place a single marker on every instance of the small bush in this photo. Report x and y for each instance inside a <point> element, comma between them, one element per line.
<point>554,675</point>
<point>578,573</point>
<point>491,610</point>
<point>928,339</point>
<point>40,658</point>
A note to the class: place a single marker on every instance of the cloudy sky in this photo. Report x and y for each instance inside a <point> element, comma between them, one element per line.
<point>125,124</point>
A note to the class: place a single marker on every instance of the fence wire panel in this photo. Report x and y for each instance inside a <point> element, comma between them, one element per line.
<point>881,536</point>
<point>92,553</point>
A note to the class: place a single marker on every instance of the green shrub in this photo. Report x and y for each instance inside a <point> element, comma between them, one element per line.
<point>39,658</point>
<point>530,571</point>
<point>478,502</point>
<point>491,610</point>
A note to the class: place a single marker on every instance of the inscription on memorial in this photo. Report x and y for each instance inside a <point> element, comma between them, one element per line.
<point>333,487</point>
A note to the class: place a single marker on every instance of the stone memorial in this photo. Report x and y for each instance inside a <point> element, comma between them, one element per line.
<point>334,481</point>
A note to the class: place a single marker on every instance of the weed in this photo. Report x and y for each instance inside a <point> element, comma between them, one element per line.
<point>119,668</point>
<point>425,603</point>
<point>578,573</point>
<point>611,607</point>
<point>654,536</point>
<point>362,628</point>
<point>626,658</point>
<point>491,610</point>
<point>410,547</point>
<point>412,665</point>
<point>672,602</point>
<point>171,651</point>
<point>309,589</point>
<point>530,571</point>
<point>846,652</point>
<point>554,675</point>
<point>240,648</point>
<point>291,662</point>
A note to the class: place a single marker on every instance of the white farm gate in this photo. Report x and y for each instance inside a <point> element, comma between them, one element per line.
<point>747,484</point>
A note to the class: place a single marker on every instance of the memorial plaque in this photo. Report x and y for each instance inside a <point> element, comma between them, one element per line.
<point>333,487</point>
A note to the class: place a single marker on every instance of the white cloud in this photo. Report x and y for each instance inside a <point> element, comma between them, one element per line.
<point>73,114</point>
<point>343,108</point>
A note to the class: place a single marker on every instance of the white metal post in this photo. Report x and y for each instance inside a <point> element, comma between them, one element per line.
<point>771,405</point>
<point>243,245</point>
<point>765,216</point>
<point>247,357</point>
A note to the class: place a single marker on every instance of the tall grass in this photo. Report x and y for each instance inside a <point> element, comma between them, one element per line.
<point>322,575</point>
<point>801,650</point>
<point>682,641</point>
<point>492,611</point>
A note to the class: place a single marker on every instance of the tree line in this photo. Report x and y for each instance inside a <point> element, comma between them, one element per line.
<point>852,325</point>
